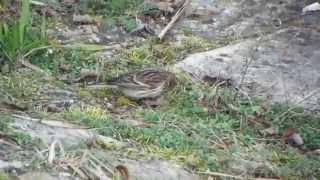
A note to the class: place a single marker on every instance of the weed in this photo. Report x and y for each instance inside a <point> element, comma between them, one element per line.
<point>76,58</point>
<point>17,39</point>
<point>221,140</point>
<point>128,23</point>
<point>21,84</point>
<point>6,127</point>
<point>108,7</point>
<point>4,176</point>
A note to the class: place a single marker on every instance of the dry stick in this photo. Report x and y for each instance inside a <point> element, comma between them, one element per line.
<point>173,20</point>
<point>233,176</point>
<point>52,123</point>
<point>52,152</point>
<point>221,175</point>
<point>28,64</point>
<point>101,164</point>
<point>312,93</point>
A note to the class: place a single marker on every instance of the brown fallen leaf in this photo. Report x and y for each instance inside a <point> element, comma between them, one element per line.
<point>259,120</point>
<point>292,137</point>
<point>271,131</point>
<point>123,172</point>
<point>65,67</point>
<point>5,68</point>
<point>83,19</point>
<point>314,152</point>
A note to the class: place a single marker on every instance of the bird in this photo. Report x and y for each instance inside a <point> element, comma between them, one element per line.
<point>143,84</point>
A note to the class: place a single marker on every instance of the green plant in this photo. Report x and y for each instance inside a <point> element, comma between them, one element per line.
<point>6,127</point>
<point>128,23</point>
<point>17,39</point>
<point>188,131</point>
<point>108,7</point>
<point>4,176</point>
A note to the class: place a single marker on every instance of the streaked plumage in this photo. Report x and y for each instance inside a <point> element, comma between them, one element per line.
<point>149,83</point>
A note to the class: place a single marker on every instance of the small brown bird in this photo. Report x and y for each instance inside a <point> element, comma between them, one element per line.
<point>148,83</point>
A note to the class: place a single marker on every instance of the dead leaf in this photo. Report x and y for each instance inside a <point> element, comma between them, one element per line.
<point>271,131</point>
<point>83,19</point>
<point>65,67</point>
<point>288,132</point>
<point>292,137</point>
<point>122,171</point>
<point>5,68</point>
<point>108,142</point>
<point>165,6</point>
<point>315,152</point>
<point>259,120</point>
<point>210,178</point>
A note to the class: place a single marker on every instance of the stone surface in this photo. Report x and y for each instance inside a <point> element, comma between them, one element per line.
<point>71,136</point>
<point>246,18</point>
<point>157,169</point>
<point>282,43</point>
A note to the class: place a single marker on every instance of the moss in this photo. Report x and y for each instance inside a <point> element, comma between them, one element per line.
<point>137,54</point>
<point>101,93</point>
<point>84,93</point>
<point>3,176</point>
<point>121,101</point>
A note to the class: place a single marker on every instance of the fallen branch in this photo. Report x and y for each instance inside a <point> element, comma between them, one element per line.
<point>52,152</point>
<point>311,94</point>
<point>28,64</point>
<point>174,20</point>
<point>32,67</point>
<point>52,123</point>
<point>233,176</point>
<point>221,175</point>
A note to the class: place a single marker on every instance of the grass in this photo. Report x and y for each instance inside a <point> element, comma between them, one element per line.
<point>197,126</point>
<point>20,137</point>
<point>17,38</point>
<point>190,134</point>
<point>21,84</point>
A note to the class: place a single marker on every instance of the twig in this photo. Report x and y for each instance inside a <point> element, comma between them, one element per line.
<point>52,152</point>
<point>221,175</point>
<point>34,50</point>
<point>28,64</point>
<point>299,102</point>
<point>37,3</point>
<point>233,176</point>
<point>245,70</point>
<point>32,67</point>
<point>51,123</point>
<point>173,20</point>
<point>101,164</point>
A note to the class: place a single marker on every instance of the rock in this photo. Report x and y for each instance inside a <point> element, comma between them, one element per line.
<point>242,19</point>
<point>4,165</point>
<point>271,131</point>
<point>290,136</point>
<point>47,132</point>
<point>37,176</point>
<point>83,19</point>
<point>108,142</point>
<point>156,169</point>
<point>312,7</point>
<point>285,66</point>
<point>5,68</point>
